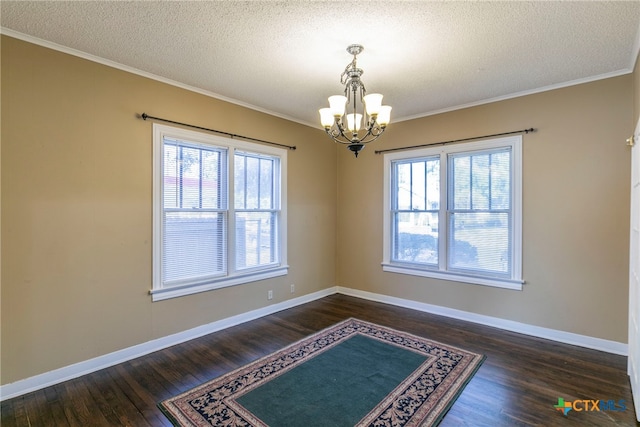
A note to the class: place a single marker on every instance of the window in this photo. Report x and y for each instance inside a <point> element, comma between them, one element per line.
<point>454,212</point>
<point>219,212</point>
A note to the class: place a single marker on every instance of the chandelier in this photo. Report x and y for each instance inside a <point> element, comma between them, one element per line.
<point>346,127</point>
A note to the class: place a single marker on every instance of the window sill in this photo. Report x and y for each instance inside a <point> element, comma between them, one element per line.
<point>456,277</point>
<point>182,290</point>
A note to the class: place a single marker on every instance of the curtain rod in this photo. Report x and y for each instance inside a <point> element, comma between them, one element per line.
<point>145,116</point>
<point>456,140</point>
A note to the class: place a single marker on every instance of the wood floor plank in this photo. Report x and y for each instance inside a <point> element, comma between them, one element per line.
<point>80,408</point>
<point>113,404</point>
<point>14,412</point>
<point>518,384</point>
<point>39,410</point>
<point>55,405</point>
<point>142,399</point>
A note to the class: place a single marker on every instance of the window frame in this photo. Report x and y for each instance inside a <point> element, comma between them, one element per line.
<point>233,276</point>
<point>441,271</point>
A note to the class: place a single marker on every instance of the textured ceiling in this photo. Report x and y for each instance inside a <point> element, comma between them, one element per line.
<point>285,58</point>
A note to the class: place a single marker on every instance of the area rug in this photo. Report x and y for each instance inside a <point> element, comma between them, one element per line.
<point>354,373</point>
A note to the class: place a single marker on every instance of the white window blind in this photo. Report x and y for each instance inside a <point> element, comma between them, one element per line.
<point>194,212</point>
<point>480,212</point>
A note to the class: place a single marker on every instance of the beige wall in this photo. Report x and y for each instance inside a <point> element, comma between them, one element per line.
<point>575,210</point>
<point>76,219</point>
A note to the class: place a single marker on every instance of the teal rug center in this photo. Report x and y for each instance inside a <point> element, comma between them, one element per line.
<point>336,388</point>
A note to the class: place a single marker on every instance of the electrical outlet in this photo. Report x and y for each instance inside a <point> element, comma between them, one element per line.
<point>270,294</point>
<point>293,288</point>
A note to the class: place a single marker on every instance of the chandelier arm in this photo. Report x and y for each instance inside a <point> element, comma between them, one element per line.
<point>373,138</point>
<point>374,131</point>
<point>337,132</point>
<point>341,130</point>
<point>337,139</point>
<point>364,140</point>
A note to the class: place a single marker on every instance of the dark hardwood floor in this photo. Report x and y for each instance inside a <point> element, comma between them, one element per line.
<point>518,384</point>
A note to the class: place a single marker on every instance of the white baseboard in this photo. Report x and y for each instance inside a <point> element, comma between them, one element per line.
<point>509,325</point>
<point>37,382</point>
<point>57,376</point>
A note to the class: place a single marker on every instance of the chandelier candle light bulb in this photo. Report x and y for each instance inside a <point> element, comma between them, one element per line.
<point>337,104</point>
<point>384,116</point>
<point>376,116</point>
<point>373,102</point>
<point>353,122</point>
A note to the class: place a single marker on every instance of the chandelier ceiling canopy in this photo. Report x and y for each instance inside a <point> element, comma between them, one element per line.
<point>343,119</point>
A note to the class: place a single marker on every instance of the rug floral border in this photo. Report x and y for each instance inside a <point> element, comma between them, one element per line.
<point>422,399</point>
